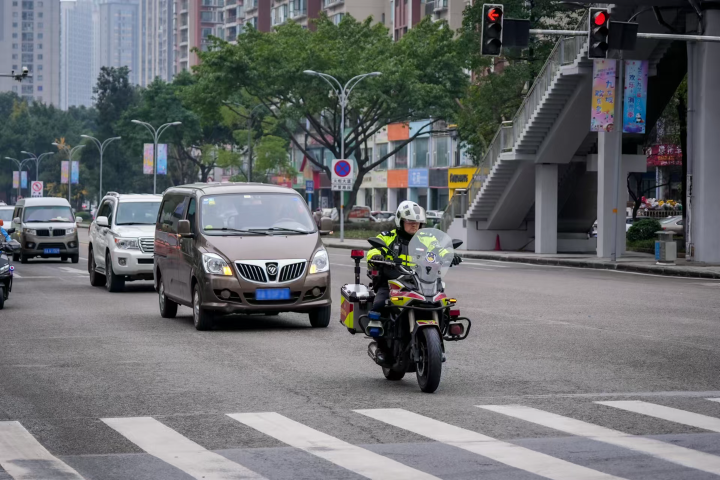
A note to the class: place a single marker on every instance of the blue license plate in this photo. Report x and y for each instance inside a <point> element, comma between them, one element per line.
<point>272,294</point>
<point>51,251</point>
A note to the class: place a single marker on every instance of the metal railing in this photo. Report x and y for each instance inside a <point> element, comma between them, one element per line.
<point>564,52</point>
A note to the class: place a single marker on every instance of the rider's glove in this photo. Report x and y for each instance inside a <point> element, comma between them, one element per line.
<point>377,257</point>
<point>457,259</point>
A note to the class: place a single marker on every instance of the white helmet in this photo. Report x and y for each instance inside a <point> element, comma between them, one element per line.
<point>409,211</point>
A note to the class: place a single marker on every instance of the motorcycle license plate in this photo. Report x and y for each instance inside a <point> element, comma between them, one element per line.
<point>50,251</point>
<point>266,294</point>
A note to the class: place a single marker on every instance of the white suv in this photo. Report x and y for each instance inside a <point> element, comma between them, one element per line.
<point>122,240</point>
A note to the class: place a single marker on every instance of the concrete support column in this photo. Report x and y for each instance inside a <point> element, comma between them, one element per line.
<point>704,143</point>
<point>546,208</point>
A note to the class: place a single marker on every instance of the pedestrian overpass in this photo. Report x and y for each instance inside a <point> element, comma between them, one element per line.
<point>549,178</point>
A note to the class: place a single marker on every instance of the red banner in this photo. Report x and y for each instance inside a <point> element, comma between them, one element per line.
<point>664,155</point>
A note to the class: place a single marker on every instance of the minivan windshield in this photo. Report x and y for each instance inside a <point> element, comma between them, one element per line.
<point>48,213</point>
<point>6,214</point>
<point>137,213</point>
<point>255,212</point>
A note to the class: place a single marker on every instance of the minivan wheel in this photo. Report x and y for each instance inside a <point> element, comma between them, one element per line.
<point>203,319</point>
<point>75,258</point>
<point>320,317</point>
<point>168,308</point>
<point>23,258</point>
<point>16,257</point>
<point>96,279</point>
<point>113,283</point>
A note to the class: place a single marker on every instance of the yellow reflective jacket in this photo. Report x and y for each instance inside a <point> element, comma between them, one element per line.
<point>399,247</point>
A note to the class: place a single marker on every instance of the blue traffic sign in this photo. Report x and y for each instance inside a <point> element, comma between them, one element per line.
<point>342,168</point>
<point>309,186</point>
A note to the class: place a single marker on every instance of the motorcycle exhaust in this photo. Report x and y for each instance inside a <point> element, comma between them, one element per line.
<point>372,349</point>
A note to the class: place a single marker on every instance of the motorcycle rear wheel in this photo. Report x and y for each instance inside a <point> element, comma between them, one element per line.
<point>429,368</point>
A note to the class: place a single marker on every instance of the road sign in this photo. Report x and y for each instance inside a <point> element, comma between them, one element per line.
<point>36,189</point>
<point>342,175</point>
<point>309,186</point>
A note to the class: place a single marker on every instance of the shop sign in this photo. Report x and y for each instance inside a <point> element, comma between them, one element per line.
<point>418,178</point>
<point>460,177</point>
<point>664,155</point>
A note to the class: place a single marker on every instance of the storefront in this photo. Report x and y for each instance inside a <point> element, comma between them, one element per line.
<point>418,183</point>
<point>438,188</point>
<point>373,190</point>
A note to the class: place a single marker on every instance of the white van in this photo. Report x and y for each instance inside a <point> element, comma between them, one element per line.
<point>45,228</point>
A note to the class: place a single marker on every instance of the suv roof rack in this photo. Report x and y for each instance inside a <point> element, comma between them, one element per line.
<point>112,194</point>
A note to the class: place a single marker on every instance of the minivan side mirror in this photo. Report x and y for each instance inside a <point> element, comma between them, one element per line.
<point>16,220</point>
<point>184,229</point>
<point>102,221</point>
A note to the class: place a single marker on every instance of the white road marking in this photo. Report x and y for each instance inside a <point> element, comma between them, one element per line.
<point>23,458</point>
<point>76,271</point>
<point>356,459</point>
<point>667,413</point>
<point>16,275</point>
<point>173,448</point>
<point>503,452</point>
<point>664,451</point>
<point>714,399</point>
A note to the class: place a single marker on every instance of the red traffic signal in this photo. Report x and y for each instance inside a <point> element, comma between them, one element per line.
<point>492,27</point>
<point>600,18</point>
<point>598,32</point>
<point>494,14</point>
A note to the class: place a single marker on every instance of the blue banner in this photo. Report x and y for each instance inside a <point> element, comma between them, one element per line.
<point>635,101</point>
<point>23,179</point>
<point>162,159</point>
<point>75,172</point>
<point>418,177</point>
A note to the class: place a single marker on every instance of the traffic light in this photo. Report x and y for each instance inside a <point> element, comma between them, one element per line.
<point>598,33</point>
<point>492,33</point>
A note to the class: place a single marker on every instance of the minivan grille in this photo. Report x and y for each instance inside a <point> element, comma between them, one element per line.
<point>51,233</point>
<point>147,244</point>
<point>58,233</point>
<point>291,272</point>
<point>253,273</point>
<point>43,233</point>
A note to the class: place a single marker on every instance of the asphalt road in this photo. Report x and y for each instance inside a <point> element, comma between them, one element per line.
<point>97,385</point>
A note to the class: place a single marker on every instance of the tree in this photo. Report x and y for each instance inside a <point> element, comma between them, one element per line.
<point>422,78</point>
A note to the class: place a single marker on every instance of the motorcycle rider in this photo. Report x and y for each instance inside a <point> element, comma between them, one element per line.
<point>5,234</point>
<point>409,218</point>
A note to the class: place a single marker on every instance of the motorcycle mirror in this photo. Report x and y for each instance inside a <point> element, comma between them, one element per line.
<point>377,243</point>
<point>9,230</point>
<point>457,243</point>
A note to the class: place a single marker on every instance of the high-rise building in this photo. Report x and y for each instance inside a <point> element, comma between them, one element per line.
<point>120,36</point>
<point>30,37</point>
<point>157,40</point>
<point>195,21</point>
<point>257,14</point>
<point>78,70</point>
<point>234,20</point>
<point>404,14</point>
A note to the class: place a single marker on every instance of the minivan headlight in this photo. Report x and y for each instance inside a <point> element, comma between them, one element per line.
<point>69,231</point>
<point>127,243</point>
<point>320,262</point>
<point>215,264</point>
<point>4,268</point>
<point>30,231</point>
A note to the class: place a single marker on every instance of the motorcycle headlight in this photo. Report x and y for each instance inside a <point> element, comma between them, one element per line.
<point>127,243</point>
<point>30,231</point>
<point>4,268</point>
<point>215,264</point>
<point>320,262</point>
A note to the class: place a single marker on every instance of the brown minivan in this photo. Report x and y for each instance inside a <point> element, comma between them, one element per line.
<point>239,248</point>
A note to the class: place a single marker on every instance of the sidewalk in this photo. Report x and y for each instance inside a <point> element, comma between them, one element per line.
<point>630,262</point>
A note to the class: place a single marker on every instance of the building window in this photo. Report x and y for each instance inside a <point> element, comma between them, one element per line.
<point>40,14</point>
<point>14,35</point>
<point>15,46</point>
<point>15,25</point>
<point>40,67</point>
<point>40,25</point>
<point>39,46</point>
<point>15,4</point>
<point>39,88</point>
<point>40,4</point>
<point>15,67</point>
<point>15,89</point>
<point>206,16</point>
<point>40,57</point>
<point>40,78</point>
<point>40,36</point>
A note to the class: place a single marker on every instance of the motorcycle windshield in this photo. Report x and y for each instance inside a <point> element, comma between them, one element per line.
<point>431,254</point>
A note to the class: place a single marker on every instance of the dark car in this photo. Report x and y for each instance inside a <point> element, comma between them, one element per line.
<point>239,248</point>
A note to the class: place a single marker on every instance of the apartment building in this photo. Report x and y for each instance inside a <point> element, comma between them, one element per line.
<point>157,40</point>
<point>30,37</point>
<point>120,36</point>
<point>194,22</point>
<point>78,66</point>
<point>404,14</point>
<point>234,20</point>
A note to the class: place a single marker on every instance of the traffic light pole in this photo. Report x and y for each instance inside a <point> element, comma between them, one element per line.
<point>655,36</point>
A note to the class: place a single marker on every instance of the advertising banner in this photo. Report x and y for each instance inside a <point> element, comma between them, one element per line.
<point>148,159</point>
<point>162,159</point>
<point>23,179</point>
<point>64,171</point>
<point>75,174</point>
<point>603,95</point>
<point>418,177</point>
<point>664,155</point>
<point>635,106</point>
<point>16,179</point>
<point>460,177</point>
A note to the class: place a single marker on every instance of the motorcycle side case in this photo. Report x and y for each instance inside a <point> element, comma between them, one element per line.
<point>356,301</point>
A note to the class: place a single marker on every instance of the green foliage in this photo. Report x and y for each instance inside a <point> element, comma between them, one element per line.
<point>643,230</point>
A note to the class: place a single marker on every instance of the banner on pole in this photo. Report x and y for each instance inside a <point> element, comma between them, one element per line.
<point>23,179</point>
<point>148,159</point>
<point>75,174</point>
<point>16,179</point>
<point>635,106</point>
<point>162,159</point>
<point>64,171</point>
<point>603,95</point>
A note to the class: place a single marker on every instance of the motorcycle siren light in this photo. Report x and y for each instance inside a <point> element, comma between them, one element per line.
<point>12,268</point>
<point>455,312</point>
<point>357,254</point>
<point>374,331</point>
<point>456,329</point>
<point>374,315</point>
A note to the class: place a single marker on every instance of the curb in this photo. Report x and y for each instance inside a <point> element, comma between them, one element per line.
<point>567,262</point>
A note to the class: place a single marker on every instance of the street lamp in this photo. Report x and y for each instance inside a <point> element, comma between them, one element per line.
<point>101,147</point>
<point>156,136</point>
<point>37,161</point>
<point>342,93</point>
<point>72,150</point>
<point>20,167</point>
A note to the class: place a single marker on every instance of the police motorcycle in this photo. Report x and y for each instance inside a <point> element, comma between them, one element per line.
<point>421,316</point>
<point>7,249</point>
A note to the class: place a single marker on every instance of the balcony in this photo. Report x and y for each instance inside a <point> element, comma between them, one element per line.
<point>332,3</point>
<point>440,5</point>
<point>252,5</point>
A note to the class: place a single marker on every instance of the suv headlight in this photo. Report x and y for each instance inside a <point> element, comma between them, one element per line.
<point>320,262</point>
<point>215,264</point>
<point>4,268</point>
<point>30,231</point>
<point>127,243</point>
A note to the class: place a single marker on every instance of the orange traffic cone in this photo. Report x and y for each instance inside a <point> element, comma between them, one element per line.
<point>498,248</point>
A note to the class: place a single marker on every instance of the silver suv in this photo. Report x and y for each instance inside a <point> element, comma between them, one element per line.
<point>122,240</point>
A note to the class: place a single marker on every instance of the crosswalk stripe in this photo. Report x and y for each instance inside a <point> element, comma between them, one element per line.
<point>173,448</point>
<point>667,413</point>
<point>356,459</point>
<point>76,271</point>
<point>23,458</point>
<point>714,399</point>
<point>503,452</point>
<point>665,451</point>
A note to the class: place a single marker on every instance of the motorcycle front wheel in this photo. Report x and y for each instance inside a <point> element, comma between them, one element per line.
<point>429,368</point>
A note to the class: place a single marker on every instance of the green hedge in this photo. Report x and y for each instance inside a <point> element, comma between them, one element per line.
<point>643,230</point>
<point>87,218</point>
